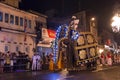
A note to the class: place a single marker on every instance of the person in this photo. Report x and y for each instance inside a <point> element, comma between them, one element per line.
<point>38,63</point>
<point>109,58</point>
<point>51,62</point>
<point>34,61</point>
<point>45,62</point>
<point>74,23</point>
<point>73,26</point>
<point>103,58</point>
<point>7,63</point>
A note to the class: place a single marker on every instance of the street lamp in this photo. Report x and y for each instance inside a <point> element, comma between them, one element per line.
<point>92,19</point>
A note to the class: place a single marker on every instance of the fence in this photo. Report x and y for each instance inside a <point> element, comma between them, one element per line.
<point>17,64</point>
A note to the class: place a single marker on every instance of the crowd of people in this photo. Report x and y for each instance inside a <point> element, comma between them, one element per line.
<point>109,58</point>
<point>10,62</point>
<point>13,61</point>
<point>41,62</point>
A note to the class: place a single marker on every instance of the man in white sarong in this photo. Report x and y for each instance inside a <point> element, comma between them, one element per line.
<point>34,62</point>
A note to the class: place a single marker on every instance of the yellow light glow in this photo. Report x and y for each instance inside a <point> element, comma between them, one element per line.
<point>92,18</point>
<point>115,23</point>
<point>101,50</point>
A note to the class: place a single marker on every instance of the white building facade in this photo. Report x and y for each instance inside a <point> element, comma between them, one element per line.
<point>17,29</point>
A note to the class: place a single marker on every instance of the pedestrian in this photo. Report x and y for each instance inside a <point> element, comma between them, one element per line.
<point>38,62</point>
<point>34,61</point>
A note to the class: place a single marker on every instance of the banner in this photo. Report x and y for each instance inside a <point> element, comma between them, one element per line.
<point>51,33</point>
<point>48,35</point>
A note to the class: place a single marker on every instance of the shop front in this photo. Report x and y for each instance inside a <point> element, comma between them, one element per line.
<point>44,46</point>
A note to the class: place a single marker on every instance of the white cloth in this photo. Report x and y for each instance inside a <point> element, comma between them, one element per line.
<point>109,61</point>
<point>36,62</point>
<point>34,59</point>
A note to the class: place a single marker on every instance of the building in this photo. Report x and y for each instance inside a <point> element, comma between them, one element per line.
<point>14,3</point>
<point>87,22</point>
<point>45,45</point>
<point>17,29</point>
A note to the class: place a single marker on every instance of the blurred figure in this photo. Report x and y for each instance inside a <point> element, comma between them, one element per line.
<point>103,58</point>
<point>109,58</point>
<point>7,63</point>
<point>34,61</point>
<point>38,62</point>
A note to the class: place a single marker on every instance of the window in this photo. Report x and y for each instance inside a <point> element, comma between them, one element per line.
<point>29,23</point>
<point>16,20</point>
<point>17,48</point>
<point>25,23</point>
<point>1,16</point>
<point>6,17</point>
<point>21,21</point>
<point>6,48</point>
<point>27,49</point>
<point>11,19</point>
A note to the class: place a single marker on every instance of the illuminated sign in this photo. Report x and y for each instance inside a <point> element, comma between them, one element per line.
<point>51,33</point>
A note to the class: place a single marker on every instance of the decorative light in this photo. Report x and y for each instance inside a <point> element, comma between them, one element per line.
<point>59,34</point>
<point>101,50</point>
<point>92,19</point>
<point>116,23</point>
<point>62,32</point>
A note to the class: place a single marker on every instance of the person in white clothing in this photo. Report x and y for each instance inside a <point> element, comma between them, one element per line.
<point>38,62</point>
<point>34,62</point>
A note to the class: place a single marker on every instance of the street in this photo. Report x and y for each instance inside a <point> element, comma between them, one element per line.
<point>112,73</point>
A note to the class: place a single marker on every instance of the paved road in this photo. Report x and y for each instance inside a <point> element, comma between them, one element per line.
<point>112,73</point>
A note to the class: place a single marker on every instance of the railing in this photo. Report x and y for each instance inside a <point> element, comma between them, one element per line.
<point>18,64</point>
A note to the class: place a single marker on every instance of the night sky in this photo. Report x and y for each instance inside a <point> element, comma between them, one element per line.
<point>102,8</point>
<point>69,6</point>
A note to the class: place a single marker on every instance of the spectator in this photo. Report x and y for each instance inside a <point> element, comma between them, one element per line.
<point>7,63</point>
<point>34,61</point>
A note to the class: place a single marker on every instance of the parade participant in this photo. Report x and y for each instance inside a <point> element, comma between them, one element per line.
<point>98,65</point>
<point>73,26</point>
<point>103,58</point>
<point>109,58</point>
<point>119,57</point>
<point>74,23</point>
<point>51,62</point>
<point>115,58</point>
